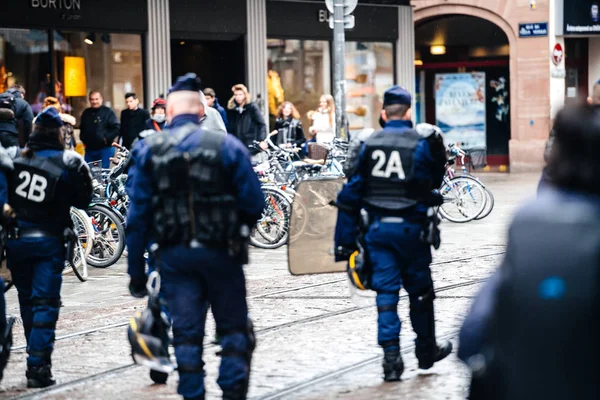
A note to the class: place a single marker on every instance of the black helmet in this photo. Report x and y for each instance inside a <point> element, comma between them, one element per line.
<point>359,269</point>
<point>148,332</point>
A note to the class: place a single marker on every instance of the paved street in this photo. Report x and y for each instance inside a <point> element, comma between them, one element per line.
<point>313,341</point>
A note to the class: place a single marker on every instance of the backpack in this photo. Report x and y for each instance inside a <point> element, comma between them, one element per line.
<point>8,107</point>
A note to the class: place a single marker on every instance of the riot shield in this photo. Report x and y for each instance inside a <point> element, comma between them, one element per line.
<point>312,227</point>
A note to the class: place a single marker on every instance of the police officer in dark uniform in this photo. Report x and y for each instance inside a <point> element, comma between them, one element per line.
<point>397,171</point>
<point>47,180</point>
<point>194,192</point>
<point>532,331</point>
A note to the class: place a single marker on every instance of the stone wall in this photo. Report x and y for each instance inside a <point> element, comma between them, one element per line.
<point>529,69</point>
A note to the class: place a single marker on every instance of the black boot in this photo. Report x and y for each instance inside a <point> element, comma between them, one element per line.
<point>6,345</point>
<point>393,366</point>
<point>40,377</point>
<point>436,353</point>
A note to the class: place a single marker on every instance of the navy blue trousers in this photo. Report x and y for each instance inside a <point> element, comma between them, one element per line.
<point>103,155</point>
<point>193,280</point>
<point>36,266</point>
<point>400,259</point>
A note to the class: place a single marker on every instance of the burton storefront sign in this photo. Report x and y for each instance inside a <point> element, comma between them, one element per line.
<point>460,108</point>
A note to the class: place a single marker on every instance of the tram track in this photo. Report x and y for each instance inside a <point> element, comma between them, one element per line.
<point>271,295</point>
<point>260,332</point>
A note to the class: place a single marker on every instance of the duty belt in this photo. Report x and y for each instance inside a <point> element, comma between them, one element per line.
<point>17,232</point>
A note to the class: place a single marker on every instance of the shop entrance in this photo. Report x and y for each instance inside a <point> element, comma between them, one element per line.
<point>218,63</point>
<point>463,82</point>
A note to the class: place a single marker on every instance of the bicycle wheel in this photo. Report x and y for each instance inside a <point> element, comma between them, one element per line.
<point>109,238</point>
<point>82,225</point>
<point>489,204</point>
<point>79,265</point>
<point>464,199</point>
<point>271,230</point>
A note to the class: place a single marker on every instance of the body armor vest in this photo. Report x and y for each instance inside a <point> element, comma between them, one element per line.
<point>194,200</point>
<point>545,335</point>
<point>389,169</point>
<point>33,190</point>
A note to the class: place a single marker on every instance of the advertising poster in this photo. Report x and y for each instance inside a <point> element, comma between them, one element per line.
<point>581,17</point>
<point>460,108</point>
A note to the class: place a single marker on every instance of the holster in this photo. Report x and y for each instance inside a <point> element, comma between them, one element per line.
<point>70,242</point>
<point>431,231</point>
<point>238,247</point>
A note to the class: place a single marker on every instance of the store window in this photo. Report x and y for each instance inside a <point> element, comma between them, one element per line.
<point>303,67</point>
<point>369,73</point>
<point>109,63</point>
<point>24,59</point>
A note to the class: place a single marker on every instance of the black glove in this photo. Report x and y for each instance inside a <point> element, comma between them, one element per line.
<point>343,253</point>
<point>437,199</point>
<point>137,287</point>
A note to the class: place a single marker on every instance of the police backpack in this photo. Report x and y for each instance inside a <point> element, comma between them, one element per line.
<point>8,107</point>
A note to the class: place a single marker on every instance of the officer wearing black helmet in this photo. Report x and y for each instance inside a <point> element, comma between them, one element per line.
<point>195,194</point>
<point>396,173</point>
<point>47,180</point>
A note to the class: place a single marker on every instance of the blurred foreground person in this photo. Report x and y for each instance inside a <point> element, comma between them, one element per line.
<point>533,330</point>
<point>194,194</point>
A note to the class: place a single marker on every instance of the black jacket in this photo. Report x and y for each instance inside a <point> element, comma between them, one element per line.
<point>99,127</point>
<point>132,123</point>
<point>24,119</point>
<point>247,125</point>
<point>289,130</point>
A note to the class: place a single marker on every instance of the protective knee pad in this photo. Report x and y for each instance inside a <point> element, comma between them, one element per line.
<point>250,337</point>
<point>183,364</point>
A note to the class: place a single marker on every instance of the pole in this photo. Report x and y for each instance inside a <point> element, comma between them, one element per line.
<point>339,38</point>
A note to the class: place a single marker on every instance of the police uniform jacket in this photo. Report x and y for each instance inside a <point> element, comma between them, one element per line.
<point>235,159</point>
<point>424,169</point>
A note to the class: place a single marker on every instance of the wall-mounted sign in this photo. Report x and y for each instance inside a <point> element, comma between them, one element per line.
<point>557,54</point>
<point>533,30</point>
<point>578,17</point>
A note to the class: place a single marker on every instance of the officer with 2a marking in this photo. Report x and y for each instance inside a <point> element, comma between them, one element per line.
<point>45,182</point>
<point>194,192</point>
<point>397,171</point>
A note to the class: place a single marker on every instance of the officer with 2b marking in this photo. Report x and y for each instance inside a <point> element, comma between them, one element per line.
<point>195,194</point>
<point>397,171</point>
<point>46,181</point>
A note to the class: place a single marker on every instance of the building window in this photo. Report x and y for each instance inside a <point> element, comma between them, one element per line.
<point>24,59</point>
<point>304,69</point>
<point>369,73</point>
<point>110,63</point>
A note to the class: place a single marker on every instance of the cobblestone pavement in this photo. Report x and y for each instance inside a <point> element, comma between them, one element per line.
<point>314,342</point>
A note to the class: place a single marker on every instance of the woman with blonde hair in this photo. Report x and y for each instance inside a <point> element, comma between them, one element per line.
<point>245,119</point>
<point>288,126</point>
<point>68,120</point>
<point>323,120</point>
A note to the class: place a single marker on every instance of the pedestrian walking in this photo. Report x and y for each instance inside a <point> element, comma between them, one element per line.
<point>536,318</point>
<point>398,169</point>
<point>46,182</point>
<point>99,128</point>
<point>288,127</point>
<point>202,243</point>
<point>322,129</point>
<point>213,101</point>
<point>69,122</point>
<point>133,120</point>
<point>210,119</point>
<point>16,117</point>
<point>245,119</point>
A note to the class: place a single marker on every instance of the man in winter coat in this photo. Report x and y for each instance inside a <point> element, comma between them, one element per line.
<point>245,119</point>
<point>16,117</point>
<point>133,120</point>
<point>213,101</point>
<point>210,119</point>
<point>99,128</point>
